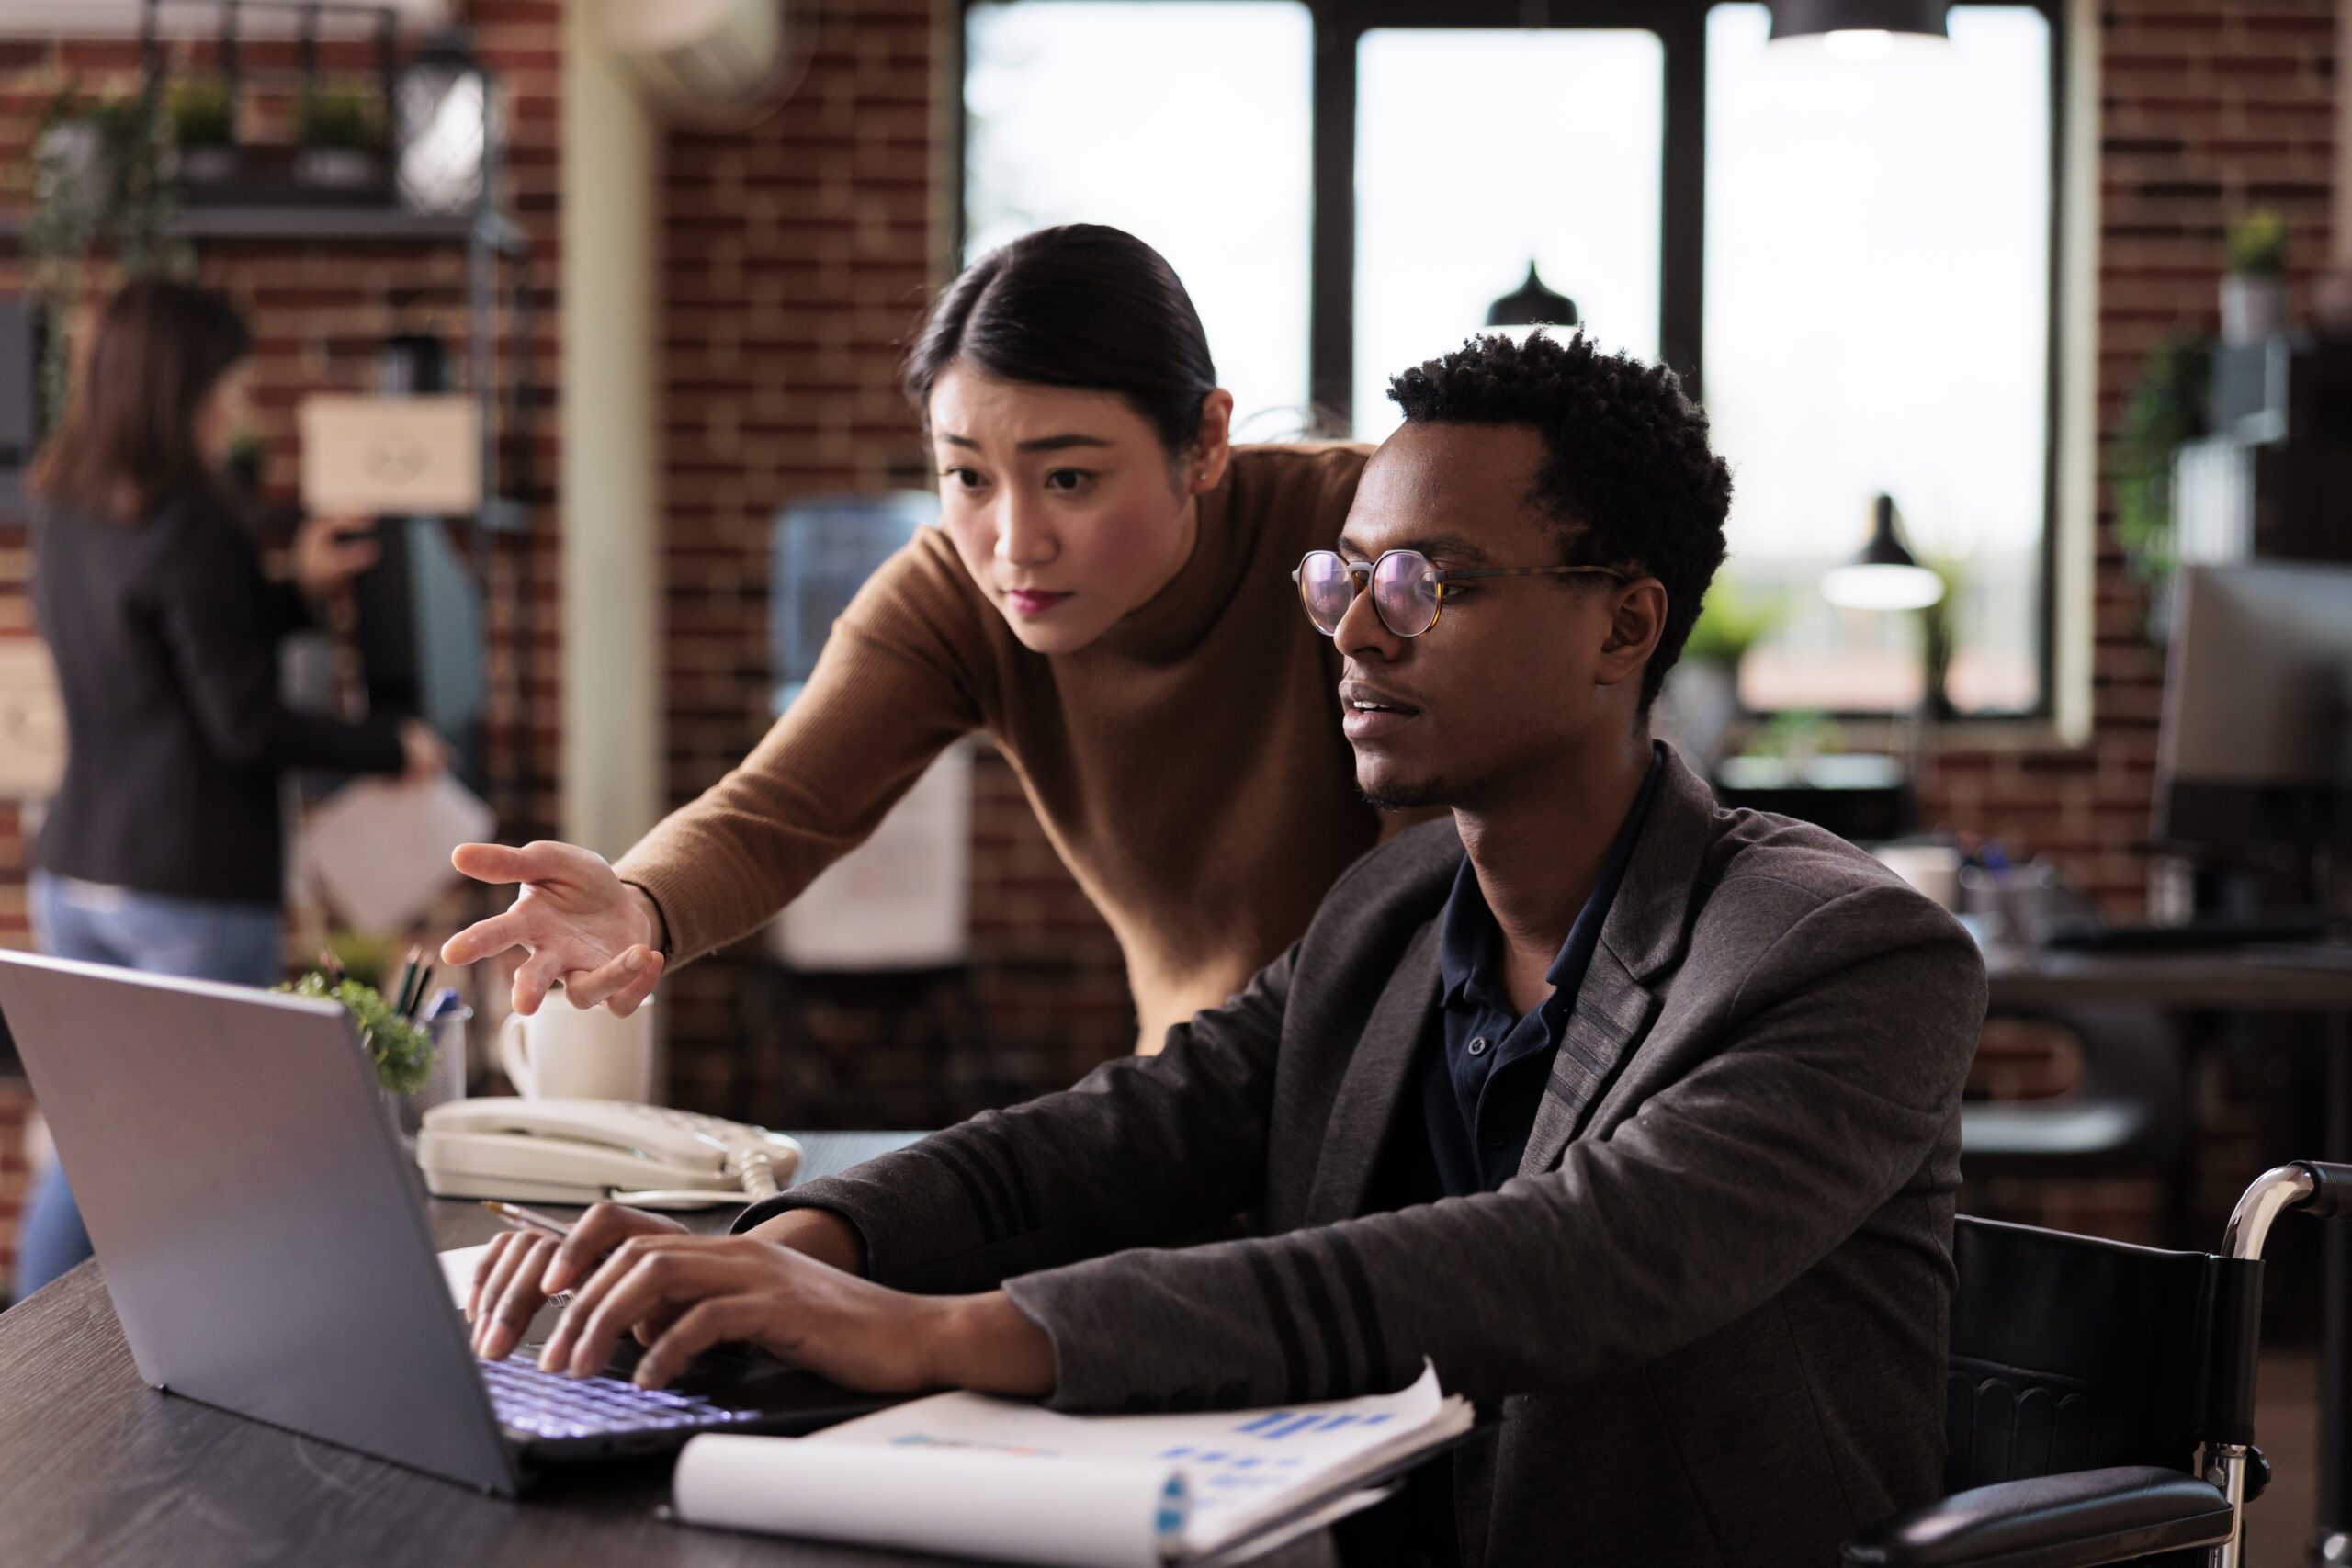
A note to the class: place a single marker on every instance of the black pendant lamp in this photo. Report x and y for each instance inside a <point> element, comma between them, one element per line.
<point>1886,575</point>
<point>1805,19</point>
<point>1532,304</point>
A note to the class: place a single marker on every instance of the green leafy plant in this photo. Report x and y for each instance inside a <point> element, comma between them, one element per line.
<point>2258,243</point>
<point>1729,624</point>
<point>2166,410</point>
<point>356,956</point>
<point>1796,734</point>
<point>339,119</point>
<point>403,1052</point>
<point>202,114</point>
<point>97,181</point>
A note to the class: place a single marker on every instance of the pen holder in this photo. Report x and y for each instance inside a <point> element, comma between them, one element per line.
<point>446,1082</point>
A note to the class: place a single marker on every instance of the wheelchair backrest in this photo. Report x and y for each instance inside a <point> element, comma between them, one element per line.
<point>2071,1353</point>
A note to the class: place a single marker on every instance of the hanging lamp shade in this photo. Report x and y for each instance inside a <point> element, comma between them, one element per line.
<point>1532,304</point>
<point>1886,575</point>
<point>1805,19</point>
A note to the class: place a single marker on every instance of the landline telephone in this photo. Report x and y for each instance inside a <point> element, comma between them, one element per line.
<point>584,1151</point>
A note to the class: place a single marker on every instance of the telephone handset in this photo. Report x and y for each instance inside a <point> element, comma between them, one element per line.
<point>584,1151</point>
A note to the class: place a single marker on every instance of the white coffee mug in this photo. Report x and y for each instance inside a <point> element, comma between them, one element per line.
<point>562,1051</point>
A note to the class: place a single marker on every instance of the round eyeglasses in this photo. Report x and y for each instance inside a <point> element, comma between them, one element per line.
<point>1407,589</point>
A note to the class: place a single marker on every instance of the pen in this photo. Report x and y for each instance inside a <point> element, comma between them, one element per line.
<point>524,1219</point>
<point>400,996</point>
<point>416,990</point>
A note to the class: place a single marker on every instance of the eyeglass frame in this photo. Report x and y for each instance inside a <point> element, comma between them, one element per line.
<point>1362,572</point>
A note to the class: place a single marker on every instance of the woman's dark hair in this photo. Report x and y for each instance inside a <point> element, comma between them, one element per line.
<point>129,439</point>
<point>1627,475</point>
<point>1078,306</point>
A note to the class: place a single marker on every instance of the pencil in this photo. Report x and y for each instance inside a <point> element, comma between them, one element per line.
<point>524,1219</point>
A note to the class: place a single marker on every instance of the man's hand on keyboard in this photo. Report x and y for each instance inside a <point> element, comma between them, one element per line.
<point>522,1269</point>
<point>681,1294</point>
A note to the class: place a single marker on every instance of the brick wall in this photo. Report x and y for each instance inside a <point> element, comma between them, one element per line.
<point>318,312</point>
<point>2208,110</point>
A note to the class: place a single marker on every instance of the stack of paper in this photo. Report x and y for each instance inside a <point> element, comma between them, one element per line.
<point>967,1473</point>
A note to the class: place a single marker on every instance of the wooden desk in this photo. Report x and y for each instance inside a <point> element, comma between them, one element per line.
<point>2227,982</point>
<point>2185,982</point>
<point>95,1467</point>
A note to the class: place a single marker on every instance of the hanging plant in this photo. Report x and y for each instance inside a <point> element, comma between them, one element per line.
<point>99,185</point>
<point>2168,410</point>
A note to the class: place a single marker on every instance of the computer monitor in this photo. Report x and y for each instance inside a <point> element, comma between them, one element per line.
<point>2256,751</point>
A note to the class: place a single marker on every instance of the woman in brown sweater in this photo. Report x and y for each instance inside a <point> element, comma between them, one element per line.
<point>1108,595</point>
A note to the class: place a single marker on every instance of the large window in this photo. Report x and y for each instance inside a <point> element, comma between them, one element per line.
<point>1878,321</point>
<point>1480,151</point>
<point>1849,259</point>
<point>1186,124</point>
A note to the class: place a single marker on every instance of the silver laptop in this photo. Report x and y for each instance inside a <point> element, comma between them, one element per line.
<point>261,1233</point>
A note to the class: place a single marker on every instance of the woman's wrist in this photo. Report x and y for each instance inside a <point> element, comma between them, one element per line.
<point>657,928</point>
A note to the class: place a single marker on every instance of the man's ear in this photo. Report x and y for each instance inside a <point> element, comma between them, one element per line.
<point>1637,620</point>
<point>1213,450</point>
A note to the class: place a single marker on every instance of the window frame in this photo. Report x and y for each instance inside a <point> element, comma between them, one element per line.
<point>1680,27</point>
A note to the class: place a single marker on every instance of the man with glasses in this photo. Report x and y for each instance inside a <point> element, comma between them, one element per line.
<point>1637,1117</point>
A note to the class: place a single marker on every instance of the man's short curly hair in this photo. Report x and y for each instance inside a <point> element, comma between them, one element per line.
<point>1626,471</point>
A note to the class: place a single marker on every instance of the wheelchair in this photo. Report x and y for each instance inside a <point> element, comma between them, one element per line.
<point>2084,1376</point>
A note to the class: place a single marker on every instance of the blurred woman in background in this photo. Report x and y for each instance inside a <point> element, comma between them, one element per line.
<point>162,849</point>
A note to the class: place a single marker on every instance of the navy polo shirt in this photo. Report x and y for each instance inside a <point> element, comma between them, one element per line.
<point>1481,1085</point>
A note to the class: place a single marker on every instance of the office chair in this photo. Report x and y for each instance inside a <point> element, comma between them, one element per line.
<point>2084,1375</point>
<point>2129,1115</point>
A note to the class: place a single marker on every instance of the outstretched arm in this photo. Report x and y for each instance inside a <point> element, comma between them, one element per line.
<point>891,691</point>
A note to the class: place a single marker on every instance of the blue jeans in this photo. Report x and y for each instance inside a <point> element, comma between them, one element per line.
<point>199,939</point>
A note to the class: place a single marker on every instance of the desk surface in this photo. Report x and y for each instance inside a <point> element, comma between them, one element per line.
<point>2226,981</point>
<point>95,1467</point>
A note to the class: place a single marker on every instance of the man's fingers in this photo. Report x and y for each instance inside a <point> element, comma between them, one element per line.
<point>664,1276</point>
<point>654,1324</point>
<point>518,1259</point>
<point>484,1267</point>
<point>510,1316</point>
<point>701,1325</point>
<point>584,1298</point>
<point>600,1230</point>
<point>484,938</point>
<point>643,1272</point>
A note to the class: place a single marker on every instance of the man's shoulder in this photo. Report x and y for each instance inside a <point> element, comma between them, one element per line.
<point>1766,874</point>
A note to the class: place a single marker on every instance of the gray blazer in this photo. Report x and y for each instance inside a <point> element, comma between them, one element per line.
<point>1710,1308</point>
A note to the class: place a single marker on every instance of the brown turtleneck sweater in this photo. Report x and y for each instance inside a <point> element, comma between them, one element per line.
<point>1188,765</point>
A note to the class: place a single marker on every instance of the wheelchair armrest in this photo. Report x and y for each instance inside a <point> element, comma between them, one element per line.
<point>2051,1521</point>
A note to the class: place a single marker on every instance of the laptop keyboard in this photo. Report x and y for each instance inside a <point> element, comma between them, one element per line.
<point>546,1405</point>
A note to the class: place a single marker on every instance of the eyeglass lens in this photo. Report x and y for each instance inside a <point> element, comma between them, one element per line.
<point>1405,591</point>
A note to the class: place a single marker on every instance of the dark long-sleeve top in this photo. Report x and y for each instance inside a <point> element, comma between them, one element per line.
<point>166,636</point>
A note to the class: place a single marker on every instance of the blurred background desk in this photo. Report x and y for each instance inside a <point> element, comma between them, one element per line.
<point>2040,981</point>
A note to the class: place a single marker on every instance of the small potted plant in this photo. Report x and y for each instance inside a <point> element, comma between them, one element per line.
<point>2254,291</point>
<point>401,1049</point>
<point>203,121</point>
<point>342,138</point>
